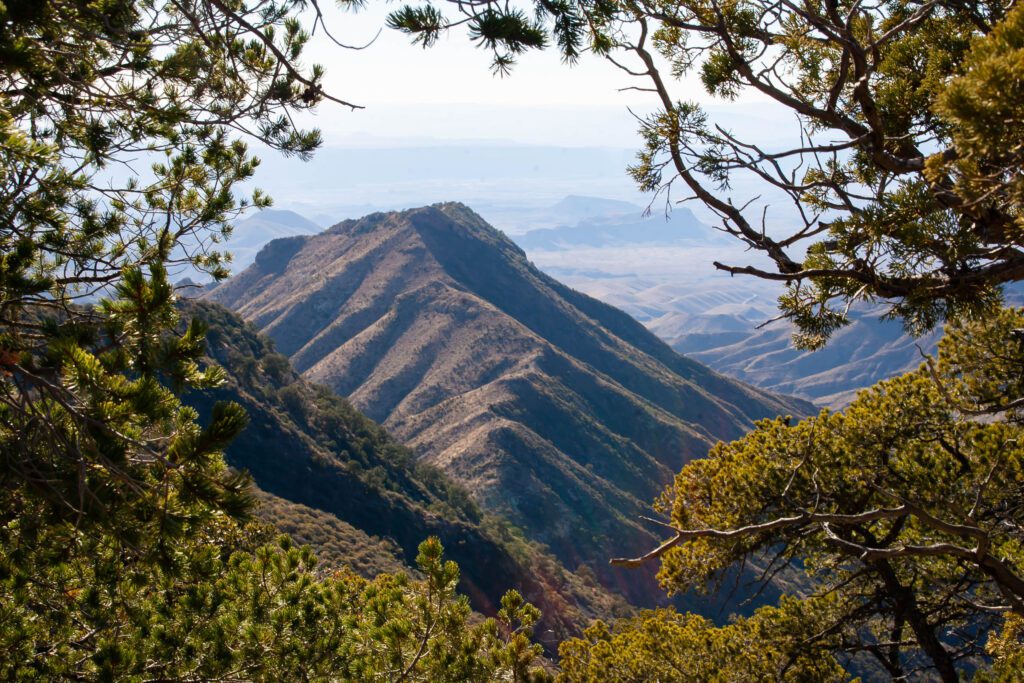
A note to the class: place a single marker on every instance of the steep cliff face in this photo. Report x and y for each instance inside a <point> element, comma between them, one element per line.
<point>553,409</point>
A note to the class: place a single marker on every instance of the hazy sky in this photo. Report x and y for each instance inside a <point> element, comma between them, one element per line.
<point>448,92</point>
<point>391,70</point>
<point>416,98</point>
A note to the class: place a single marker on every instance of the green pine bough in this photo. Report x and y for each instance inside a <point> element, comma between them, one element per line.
<point>126,550</point>
<point>905,183</point>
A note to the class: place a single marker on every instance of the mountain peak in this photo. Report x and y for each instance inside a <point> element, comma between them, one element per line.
<point>556,410</point>
<point>452,217</point>
<point>450,231</point>
<point>439,215</point>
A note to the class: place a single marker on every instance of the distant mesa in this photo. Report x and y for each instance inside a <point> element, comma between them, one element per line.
<point>263,226</point>
<point>187,283</point>
<point>678,227</point>
<point>556,410</point>
<point>576,208</point>
<point>251,233</point>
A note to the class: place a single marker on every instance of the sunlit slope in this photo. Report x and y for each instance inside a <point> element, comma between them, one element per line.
<point>332,478</point>
<point>559,411</point>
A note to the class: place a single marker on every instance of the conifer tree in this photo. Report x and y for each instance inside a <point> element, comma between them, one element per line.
<point>92,93</point>
<point>126,552</point>
<point>906,179</point>
<point>904,509</point>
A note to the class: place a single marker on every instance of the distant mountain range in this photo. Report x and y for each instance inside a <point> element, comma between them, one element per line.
<point>390,177</point>
<point>866,351</point>
<point>570,210</point>
<point>553,409</point>
<point>680,227</point>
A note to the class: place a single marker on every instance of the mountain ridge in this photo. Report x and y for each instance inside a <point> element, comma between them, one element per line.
<point>332,478</point>
<point>556,410</point>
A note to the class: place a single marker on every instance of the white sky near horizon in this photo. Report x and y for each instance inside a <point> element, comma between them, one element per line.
<point>415,98</point>
<point>447,92</point>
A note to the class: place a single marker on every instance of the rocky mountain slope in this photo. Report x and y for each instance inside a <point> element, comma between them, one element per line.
<point>553,409</point>
<point>332,478</point>
<point>870,349</point>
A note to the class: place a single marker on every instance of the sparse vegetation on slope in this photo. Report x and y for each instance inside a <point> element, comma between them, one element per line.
<point>320,460</point>
<point>551,408</point>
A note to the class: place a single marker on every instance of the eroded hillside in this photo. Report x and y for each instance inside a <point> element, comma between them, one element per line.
<point>552,408</point>
<point>333,478</point>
